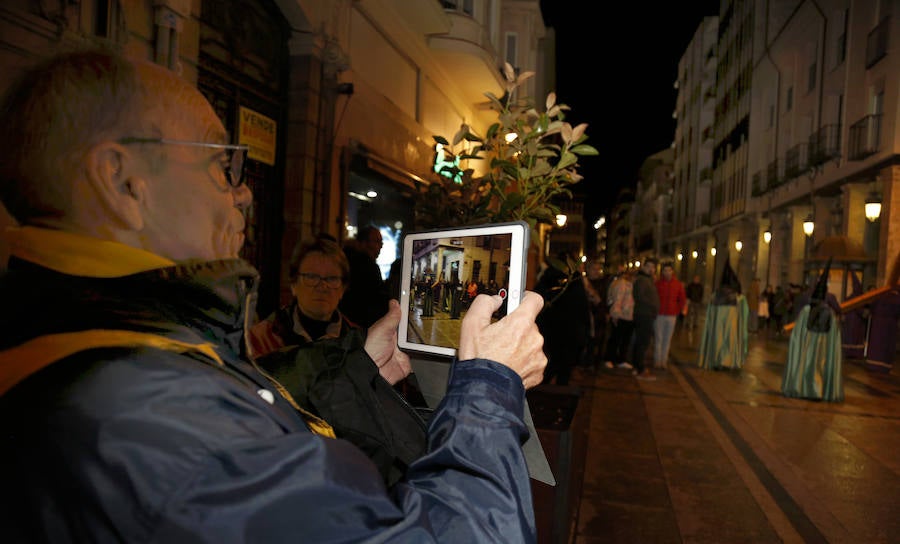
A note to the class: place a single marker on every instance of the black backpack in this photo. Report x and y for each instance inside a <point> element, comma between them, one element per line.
<point>335,380</point>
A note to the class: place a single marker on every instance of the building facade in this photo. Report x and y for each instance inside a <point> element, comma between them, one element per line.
<point>804,135</point>
<point>337,99</point>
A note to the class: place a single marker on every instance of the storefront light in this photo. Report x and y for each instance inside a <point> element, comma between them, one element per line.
<point>809,225</point>
<point>873,206</point>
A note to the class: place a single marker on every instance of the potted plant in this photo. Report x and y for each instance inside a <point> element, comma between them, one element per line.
<point>532,161</point>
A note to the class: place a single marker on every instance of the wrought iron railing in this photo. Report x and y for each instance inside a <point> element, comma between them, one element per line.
<point>773,174</point>
<point>865,137</point>
<point>795,161</point>
<point>824,145</point>
<point>757,184</point>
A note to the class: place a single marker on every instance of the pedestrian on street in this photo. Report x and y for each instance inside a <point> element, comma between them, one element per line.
<point>646,308</point>
<point>366,298</point>
<point>597,285</point>
<point>565,320</point>
<point>694,293</point>
<point>621,318</point>
<point>753,305</point>
<point>725,339</point>
<point>814,365</point>
<point>672,300</point>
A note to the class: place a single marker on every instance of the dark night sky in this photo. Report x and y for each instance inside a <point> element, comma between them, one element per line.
<point>616,66</point>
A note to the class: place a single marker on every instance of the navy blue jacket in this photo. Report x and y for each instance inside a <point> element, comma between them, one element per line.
<point>161,443</point>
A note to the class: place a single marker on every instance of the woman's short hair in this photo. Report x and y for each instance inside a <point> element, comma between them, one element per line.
<point>323,244</point>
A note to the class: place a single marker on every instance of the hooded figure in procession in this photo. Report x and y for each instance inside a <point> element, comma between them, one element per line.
<point>813,369</point>
<point>725,339</point>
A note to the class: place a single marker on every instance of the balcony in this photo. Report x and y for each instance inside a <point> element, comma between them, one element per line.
<point>824,145</point>
<point>773,174</point>
<point>865,137</point>
<point>795,162</point>
<point>757,187</point>
<point>877,42</point>
<point>466,50</point>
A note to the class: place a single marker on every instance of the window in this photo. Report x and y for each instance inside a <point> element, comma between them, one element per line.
<point>512,42</point>
<point>840,46</point>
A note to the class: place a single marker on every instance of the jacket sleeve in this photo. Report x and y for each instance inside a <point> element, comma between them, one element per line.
<point>471,486</point>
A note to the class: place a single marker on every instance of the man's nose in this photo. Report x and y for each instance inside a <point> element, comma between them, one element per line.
<point>243,197</point>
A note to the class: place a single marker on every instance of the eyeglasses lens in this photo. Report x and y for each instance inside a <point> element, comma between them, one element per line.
<point>236,172</point>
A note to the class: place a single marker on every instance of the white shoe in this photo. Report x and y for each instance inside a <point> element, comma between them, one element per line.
<point>625,365</point>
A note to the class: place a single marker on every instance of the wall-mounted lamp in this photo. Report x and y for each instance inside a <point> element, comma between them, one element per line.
<point>680,256</point>
<point>809,225</point>
<point>873,206</point>
<point>767,234</point>
<point>739,245</point>
<point>712,251</point>
<point>694,254</point>
<point>561,220</point>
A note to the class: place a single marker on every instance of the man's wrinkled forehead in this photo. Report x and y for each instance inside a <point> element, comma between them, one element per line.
<point>171,100</point>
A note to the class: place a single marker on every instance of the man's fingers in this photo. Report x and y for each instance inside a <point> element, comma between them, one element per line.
<point>532,302</point>
<point>481,310</point>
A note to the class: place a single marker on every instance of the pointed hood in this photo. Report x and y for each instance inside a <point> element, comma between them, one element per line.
<point>729,278</point>
<point>821,288</point>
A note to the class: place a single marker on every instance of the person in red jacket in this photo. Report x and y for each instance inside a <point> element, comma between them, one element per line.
<point>671,303</point>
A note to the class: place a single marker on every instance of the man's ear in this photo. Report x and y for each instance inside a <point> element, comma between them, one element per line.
<point>111,174</point>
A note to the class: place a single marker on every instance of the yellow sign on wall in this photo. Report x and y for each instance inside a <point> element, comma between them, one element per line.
<point>258,132</point>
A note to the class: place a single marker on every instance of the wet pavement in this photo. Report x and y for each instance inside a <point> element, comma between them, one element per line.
<point>701,456</point>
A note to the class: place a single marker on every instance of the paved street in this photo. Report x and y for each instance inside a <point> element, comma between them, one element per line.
<point>722,457</point>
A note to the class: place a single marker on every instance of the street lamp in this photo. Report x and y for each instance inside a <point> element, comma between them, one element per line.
<point>694,254</point>
<point>767,234</point>
<point>712,251</point>
<point>561,220</point>
<point>739,246</point>
<point>873,206</point>
<point>809,225</point>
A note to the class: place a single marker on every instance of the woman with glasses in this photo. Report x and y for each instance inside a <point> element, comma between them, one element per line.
<point>319,272</point>
<point>318,354</point>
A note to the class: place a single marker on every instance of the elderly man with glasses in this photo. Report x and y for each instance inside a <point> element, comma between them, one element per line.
<point>129,410</point>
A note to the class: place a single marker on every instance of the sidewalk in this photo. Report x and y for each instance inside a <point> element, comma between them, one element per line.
<point>722,457</point>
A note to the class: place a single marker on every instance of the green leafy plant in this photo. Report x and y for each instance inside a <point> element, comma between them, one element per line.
<point>533,160</point>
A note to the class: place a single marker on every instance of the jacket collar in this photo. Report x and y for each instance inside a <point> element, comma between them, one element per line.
<point>80,255</point>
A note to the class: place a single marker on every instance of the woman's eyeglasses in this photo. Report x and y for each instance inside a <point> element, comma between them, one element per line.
<point>233,165</point>
<point>312,280</point>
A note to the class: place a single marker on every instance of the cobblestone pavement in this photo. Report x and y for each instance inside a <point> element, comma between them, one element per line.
<point>722,457</point>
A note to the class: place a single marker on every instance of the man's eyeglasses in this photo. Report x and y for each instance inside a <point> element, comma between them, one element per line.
<point>235,155</point>
<point>312,280</point>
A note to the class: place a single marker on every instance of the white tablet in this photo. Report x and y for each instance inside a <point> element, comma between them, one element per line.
<point>442,272</point>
